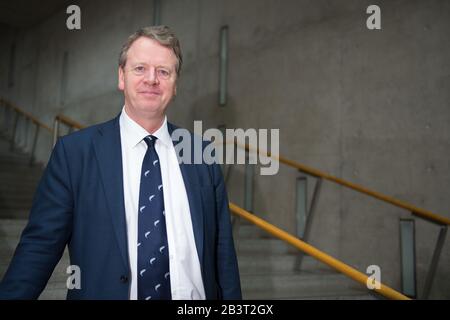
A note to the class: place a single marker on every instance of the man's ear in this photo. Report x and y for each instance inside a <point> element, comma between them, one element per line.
<point>121,81</point>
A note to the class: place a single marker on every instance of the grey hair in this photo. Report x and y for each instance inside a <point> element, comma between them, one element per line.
<point>161,34</point>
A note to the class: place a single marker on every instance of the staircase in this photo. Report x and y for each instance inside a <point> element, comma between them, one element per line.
<point>17,187</point>
<point>267,265</point>
<point>269,270</point>
<point>18,182</point>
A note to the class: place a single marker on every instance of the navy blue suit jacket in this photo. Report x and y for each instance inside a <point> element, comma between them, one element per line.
<point>79,203</point>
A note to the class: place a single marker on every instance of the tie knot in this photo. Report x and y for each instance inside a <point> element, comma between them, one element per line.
<point>150,141</point>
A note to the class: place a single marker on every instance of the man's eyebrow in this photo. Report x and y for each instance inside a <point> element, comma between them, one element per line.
<point>146,64</point>
<point>137,63</point>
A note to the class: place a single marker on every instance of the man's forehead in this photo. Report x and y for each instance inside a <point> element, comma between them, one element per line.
<point>145,50</point>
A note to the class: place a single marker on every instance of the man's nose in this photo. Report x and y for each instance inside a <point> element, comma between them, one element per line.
<point>151,76</point>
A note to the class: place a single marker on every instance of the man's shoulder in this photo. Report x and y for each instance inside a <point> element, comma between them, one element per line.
<point>91,131</point>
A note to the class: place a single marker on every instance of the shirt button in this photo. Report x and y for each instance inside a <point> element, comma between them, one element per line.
<point>123,279</point>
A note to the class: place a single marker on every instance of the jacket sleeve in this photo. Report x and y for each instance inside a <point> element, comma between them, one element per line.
<point>227,265</point>
<point>44,238</point>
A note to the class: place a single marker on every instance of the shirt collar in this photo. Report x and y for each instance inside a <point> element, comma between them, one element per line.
<point>134,133</point>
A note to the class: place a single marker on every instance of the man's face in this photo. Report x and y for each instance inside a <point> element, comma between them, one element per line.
<point>148,79</point>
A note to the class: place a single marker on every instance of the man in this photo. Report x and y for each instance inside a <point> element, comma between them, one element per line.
<point>138,224</point>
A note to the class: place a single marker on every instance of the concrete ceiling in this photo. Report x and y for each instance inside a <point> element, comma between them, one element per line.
<point>26,13</point>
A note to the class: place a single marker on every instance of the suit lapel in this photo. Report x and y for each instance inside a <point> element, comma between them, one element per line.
<point>191,183</point>
<point>108,151</point>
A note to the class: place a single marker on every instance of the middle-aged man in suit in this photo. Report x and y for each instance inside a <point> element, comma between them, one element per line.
<point>138,224</point>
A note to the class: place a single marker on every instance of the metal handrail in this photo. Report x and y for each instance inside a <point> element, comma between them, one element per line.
<point>425,214</point>
<point>27,115</point>
<point>19,112</point>
<point>69,122</point>
<point>72,124</point>
<point>443,222</point>
<point>55,131</point>
<point>319,255</point>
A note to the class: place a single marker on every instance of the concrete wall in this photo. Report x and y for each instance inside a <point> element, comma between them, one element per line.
<point>367,106</point>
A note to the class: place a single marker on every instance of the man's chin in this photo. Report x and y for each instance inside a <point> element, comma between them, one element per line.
<point>152,109</point>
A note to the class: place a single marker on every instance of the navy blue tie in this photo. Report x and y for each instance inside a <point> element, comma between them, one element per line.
<point>153,250</point>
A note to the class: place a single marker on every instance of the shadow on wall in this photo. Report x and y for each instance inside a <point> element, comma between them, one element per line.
<point>206,109</point>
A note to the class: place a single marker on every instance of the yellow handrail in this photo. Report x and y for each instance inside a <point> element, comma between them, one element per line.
<point>319,255</point>
<point>415,210</point>
<point>69,121</point>
<point>24,113</point>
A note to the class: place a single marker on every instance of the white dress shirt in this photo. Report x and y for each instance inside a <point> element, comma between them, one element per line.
<point>184,266</point>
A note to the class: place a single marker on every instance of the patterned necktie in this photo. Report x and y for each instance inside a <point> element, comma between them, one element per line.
<point>153,251</point>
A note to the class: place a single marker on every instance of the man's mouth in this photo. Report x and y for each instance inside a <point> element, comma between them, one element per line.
<point>150,93</point>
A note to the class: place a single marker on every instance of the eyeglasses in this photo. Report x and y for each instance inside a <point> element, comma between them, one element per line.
<point>161,73</point>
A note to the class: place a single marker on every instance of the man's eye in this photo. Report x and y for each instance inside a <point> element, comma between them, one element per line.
<point>139,69</point>
<point>164,73</point>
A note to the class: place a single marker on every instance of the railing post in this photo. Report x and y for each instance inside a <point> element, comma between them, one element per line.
<point>4,113</point>
<point>7,117</point>
<point>408,257</point>
<point>33,147</point>
<point>20,140</point>
<point>309,214</point>
<point>16,120</point>
<point>26,127</point>
<point>301,205</point>
<point>434,262</point>
<point>223,165</point>
<point>228,167</point>
<point>55,130</point>
<point>248,192</point>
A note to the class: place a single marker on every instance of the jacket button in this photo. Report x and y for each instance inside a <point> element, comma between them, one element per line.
<point>123,279</point>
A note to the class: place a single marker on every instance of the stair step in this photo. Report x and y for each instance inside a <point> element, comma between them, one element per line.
<point>22,171</point>
<point>22,178</point>
<point>251,231</point>
<point>14,186</point>
<point>278,263</point>
<point>6,206</point>
<point>53,294</point>
<point>18,180</point>
<point>16,171</point>
<point>19,196</point>
<point>9,243</point>
<point>266,246</point>
<point>14,214</point>
<point>297,285</point>
<point>56,288</point>
<point>15,162</point>
<point>7,154</point>
<point>12,227</point>
<point>17,192</point>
